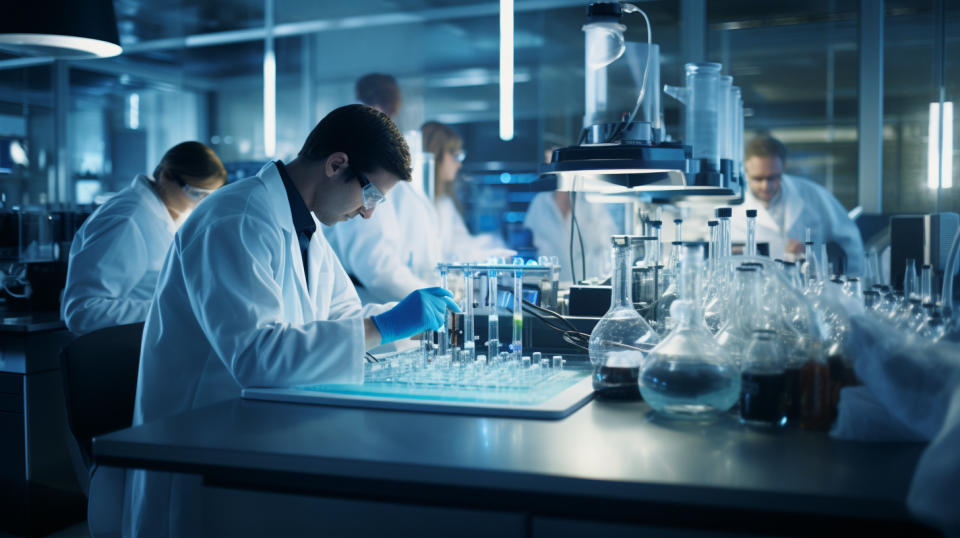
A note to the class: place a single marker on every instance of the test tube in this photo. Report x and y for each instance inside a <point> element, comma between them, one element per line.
<point>443,341</point>
<point>557,360</point>
<point>468,335</point>
<point>516,347</point>
<point>723,215</point>
<point>751,232</point>
<point>678,229</point>
<point>493,320</point>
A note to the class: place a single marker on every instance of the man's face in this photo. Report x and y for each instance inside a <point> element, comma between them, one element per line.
<point>763,176</point>
<point>344,199</point>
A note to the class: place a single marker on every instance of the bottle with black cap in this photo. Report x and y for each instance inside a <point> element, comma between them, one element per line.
<point>751,232</point>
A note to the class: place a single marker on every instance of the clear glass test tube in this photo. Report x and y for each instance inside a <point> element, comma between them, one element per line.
<point>443,340</point>
<point>516,346</point>
<point>493,320</point>
<point>468,332</point>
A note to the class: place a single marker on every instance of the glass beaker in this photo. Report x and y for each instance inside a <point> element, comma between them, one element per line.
<point>763,389</point>
<point>701,95</point>
<point>620,340</point>
<point>687,375</point>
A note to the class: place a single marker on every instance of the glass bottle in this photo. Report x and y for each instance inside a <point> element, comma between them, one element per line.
<point>735,334</point>
<point>933,327</point>
<point>687,375</point>
<point>751,249</point>
<point>763,390</point>
<point>620,340</point>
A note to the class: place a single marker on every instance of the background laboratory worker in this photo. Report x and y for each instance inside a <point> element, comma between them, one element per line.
<point>456,240</point>
<point>788,205</point>
<point>397,250</point>
<point>117,253</point>
<point>251,296</point>
<point>549,218</point>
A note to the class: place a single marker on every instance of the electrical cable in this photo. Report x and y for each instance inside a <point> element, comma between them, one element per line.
<point>574,223</point>
<point>630,8</point>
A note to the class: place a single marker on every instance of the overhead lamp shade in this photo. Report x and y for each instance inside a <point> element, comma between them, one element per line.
<point>72,29</point>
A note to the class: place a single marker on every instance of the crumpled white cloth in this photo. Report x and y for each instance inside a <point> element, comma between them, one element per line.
<point>910,392</point>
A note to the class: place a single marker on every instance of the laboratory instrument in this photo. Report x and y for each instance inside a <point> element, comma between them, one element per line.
<point>620,340</point>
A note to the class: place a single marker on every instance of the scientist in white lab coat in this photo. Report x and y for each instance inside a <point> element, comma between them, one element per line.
<point>251,295</point>
<point>457,242</point>
<point>788,205</point>
<point>397,249</point>
<point>116,255</point>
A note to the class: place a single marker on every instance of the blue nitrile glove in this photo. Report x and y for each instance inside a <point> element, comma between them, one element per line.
<point>422,310</point>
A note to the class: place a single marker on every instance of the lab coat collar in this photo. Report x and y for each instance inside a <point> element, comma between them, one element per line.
<point>277,196</point>
<point>279,205</point>
<point>143,185</point>
<point>792,201</point>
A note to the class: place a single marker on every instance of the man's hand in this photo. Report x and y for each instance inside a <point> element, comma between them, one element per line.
<point>794,247</point>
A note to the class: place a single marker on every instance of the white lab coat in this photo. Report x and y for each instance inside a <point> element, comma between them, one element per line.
<point>806,204</point>
<point>115,259</point>
<point>395,251</point>
<point>233,310</point>
<point>459,244</point>
<point>551,234</point>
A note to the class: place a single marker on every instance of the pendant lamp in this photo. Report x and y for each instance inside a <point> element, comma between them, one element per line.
<point>70,29</point>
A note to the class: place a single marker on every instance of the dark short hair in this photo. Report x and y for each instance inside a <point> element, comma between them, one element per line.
<point>766,146</point>
<point>369,138</point>
<point>191,160</point>
<point>381,91</point>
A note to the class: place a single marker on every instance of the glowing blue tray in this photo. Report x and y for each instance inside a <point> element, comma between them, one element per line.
<point>549,394</point>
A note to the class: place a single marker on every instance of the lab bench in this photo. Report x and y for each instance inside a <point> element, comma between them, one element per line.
<point>38,490</point>
<point>609,469</point>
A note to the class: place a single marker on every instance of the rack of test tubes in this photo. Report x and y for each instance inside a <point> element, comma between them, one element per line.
<point>438,376</point>
<point>491,272</point>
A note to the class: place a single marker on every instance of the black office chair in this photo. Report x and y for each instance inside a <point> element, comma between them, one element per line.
<point>99,372</point>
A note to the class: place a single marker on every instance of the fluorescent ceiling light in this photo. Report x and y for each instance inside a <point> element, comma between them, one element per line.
<point>940,159</point>
<point>506,70</point>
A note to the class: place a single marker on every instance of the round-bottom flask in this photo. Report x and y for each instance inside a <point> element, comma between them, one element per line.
<point>687,375</point>
<point>619,341</point>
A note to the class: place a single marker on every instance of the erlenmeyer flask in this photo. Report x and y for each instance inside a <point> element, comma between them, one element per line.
<point>687,375</point>
<point>619,341</point>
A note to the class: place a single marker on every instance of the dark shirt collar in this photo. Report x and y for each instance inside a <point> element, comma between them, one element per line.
<point>302,221</point>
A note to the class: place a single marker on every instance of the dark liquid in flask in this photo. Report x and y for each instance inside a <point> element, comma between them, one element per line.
<point>763,397</point>
<point>812,396</point>
<point>616,383</point>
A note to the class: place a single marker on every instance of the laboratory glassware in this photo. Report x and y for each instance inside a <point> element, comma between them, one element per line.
<point>736,332</point>
<point>469,346</point>
<point>687,375</point>
<point>516,344</point>
<point>763,390</point>
<point>620,340</point>
<point>751,248</point>
<point>701,95</point>
<point>493,318</point>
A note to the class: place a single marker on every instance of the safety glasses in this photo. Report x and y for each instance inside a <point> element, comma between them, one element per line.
<point>370,194</point>
<point>460,155</point>
<point>195,193</point>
